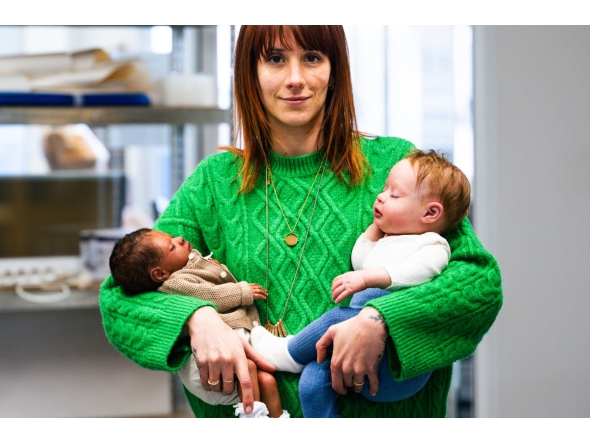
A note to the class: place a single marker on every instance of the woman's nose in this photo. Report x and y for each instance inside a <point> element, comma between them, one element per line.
<point>295,78</point>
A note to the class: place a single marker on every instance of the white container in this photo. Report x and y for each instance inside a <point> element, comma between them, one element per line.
<point>96,247</point>
<point>187,90</point>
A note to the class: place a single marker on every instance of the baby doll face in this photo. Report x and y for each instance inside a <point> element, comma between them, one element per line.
<point>401,206</point>
<point>173,250</point>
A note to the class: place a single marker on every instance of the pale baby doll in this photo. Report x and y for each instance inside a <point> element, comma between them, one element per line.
<point>149,260</point>
<point>424,196</point>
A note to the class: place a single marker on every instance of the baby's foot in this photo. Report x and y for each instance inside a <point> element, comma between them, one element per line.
<point>274,350</point>
<point>259,411</point>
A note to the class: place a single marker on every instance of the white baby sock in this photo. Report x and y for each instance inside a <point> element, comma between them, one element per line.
<point>259,410</point>
<point>274,350</point>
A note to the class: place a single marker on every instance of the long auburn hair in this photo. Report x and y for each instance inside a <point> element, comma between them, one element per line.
<point>340,134</point>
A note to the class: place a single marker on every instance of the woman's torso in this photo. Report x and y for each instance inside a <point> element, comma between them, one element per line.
<point>234,228</point>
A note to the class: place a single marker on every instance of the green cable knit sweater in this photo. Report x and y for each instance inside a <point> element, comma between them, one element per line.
<point>431,326</point>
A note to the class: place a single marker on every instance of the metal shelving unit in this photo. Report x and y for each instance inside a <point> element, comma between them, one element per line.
<point>181,121</point>
<point>79,299</point>
<point>104,116</point>
<point>101,118</point>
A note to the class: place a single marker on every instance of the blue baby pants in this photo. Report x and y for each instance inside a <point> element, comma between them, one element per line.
<point>318,399</point>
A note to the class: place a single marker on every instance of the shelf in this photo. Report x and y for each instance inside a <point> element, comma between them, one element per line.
<point>79,299</point>
<point>115,115</point>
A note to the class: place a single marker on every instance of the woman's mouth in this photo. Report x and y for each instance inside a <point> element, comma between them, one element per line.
<point>296,100</point>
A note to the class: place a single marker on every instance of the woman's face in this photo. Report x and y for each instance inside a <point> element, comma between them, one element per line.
<point>293,85</point>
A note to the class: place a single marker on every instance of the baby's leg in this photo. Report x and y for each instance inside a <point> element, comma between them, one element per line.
<point>269,394</point>
<point>302,346</point>
<point>362,297</point>
<point>274,350</point>
<point>391,390</point>
<point>290,354</point>
<point>318,398</point>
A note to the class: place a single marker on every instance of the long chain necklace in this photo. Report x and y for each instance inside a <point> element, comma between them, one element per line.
<point>291,237</point>
<point>279,329</point>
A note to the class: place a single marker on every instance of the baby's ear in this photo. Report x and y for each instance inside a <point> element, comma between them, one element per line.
<point>433,212</point>
<point>158,274</point>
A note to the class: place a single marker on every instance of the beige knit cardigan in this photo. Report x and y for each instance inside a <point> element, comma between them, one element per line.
<point>207,280</point>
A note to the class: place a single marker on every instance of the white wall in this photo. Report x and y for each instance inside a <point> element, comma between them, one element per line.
<point>60,364</point>
<point>532,211</point>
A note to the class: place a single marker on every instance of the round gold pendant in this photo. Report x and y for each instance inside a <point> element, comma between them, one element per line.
<point>291,239</point>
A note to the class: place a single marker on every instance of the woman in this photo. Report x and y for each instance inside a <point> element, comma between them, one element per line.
<point>285,213</point>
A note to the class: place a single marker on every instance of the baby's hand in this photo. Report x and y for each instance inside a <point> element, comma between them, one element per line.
<point>347,284</point>
<point>258,292</point>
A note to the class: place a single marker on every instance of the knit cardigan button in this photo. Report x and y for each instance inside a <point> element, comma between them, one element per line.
<point>223,274</point>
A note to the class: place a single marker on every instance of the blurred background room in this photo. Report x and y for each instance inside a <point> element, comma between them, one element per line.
<point>99,125</point>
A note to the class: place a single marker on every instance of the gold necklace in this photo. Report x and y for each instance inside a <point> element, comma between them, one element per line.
<point>291,238</point>
<point>279,329</point>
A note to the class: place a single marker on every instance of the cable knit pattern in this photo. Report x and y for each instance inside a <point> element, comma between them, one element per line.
<point>431,325</point>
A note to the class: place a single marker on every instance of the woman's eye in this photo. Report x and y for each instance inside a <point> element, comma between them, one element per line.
<point>275,59</point>
<point>312,58</point>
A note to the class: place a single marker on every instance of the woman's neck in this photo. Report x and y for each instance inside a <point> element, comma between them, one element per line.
<point>296,142</point>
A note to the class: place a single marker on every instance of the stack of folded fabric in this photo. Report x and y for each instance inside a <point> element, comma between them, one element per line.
<point>87,77</point>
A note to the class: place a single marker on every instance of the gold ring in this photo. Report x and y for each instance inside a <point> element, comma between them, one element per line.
<point>212,382</point>
<point>358,384</point>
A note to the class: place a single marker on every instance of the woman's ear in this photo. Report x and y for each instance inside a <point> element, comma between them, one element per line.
<point>433,212</point>
<point>158,274</point>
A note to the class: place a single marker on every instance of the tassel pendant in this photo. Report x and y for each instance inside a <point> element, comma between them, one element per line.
<point>277,329</point>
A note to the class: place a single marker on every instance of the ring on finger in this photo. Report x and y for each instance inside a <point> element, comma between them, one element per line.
<point>212,382</point>
<point>231,381</point>
<point>358,384</point>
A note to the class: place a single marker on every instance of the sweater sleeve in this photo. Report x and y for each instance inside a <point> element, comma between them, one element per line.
<point>422,266</point>
<point>442,321</point>
<point>361,249</point>
<point>226,297</point>
<point>146,328</point>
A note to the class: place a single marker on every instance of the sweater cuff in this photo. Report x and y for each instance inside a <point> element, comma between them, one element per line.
<point>247,296</point>
<point>393,362</point>
<point>404,340</point>
<point>147,328</point>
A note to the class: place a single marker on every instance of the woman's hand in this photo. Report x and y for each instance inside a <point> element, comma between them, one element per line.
<point>221,355</point>
<point>359,344</point>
